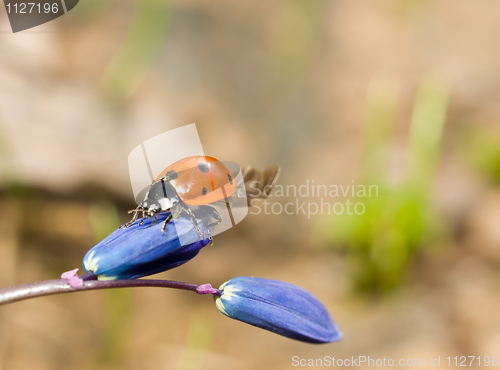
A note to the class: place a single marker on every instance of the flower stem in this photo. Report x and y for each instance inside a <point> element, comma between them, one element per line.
<point>50,287</point>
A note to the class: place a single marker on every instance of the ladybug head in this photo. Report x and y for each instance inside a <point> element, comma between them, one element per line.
<point>154,206</point>
<point>150,206</point>
<point>160,197</point>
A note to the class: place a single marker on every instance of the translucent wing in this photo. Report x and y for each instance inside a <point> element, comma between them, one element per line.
<point>260,183</point>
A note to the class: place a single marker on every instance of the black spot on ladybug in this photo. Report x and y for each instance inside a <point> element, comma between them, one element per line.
<point>230,179</point>
<point>203,167</point>
<point>204,191</point>
<point>172,175</point>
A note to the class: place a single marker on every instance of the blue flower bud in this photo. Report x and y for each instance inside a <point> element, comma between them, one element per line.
<point>279,307</point>
<point>141,250</point>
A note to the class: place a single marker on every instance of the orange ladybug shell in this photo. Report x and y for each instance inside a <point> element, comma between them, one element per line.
<point>201,180</point>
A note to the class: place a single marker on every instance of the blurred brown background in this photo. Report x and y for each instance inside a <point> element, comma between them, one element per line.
<point>398,93</point>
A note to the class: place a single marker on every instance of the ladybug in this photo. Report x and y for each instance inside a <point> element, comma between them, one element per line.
<point>192,181</point>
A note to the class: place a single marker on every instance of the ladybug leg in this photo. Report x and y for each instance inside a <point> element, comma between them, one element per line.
<point>213,214</point>
<point>135,212</point>
<point>143,217</point>
<point>210,237</point>
<point>167,220</point>
<point>195,222</point>
<point>182,207</point>
<point>176,210</point>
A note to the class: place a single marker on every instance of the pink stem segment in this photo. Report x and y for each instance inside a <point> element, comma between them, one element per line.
<point>72,279</point>
<point>206,289</point>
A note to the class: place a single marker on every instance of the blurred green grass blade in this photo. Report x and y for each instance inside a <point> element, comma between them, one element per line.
<point>88,9</point>
<point>480,147</point>
<point>118,314</point>
<point>382,242</point>
<point>9,173</point>
<point>143,43</point>
<point>198,340</point>
<point>103,219</point>
<point>381,113</point>
<point>116,331</point>
<point>426,130</point>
